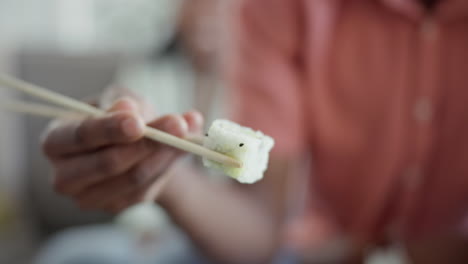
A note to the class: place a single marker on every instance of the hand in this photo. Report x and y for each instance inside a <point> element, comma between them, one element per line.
<point>105,163</point>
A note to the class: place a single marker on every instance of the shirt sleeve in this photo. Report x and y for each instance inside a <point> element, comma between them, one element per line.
<point>263,70</point>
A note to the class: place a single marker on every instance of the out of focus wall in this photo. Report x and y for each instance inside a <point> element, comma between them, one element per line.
<point>78,76</point>
<point>76,48</point>
<point>16,232</point>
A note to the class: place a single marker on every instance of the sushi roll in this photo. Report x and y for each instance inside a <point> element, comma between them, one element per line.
<point>250,147</point>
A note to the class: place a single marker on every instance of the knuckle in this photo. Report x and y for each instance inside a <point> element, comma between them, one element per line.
<point>113,126</point>
<point>48,142</point>
<point>147,146</point>
<point>59,186</point>
<point>138,177</point>
<point>133,180</point>
<point>109,162</point>
<point>110,126</point>
<point>47,146</point>
<point>144,146</point>
<point>80,134</point>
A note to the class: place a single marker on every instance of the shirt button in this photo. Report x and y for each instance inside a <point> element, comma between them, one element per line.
<point>429,29</point>
<point>422,110</point>
<point>413,178</point>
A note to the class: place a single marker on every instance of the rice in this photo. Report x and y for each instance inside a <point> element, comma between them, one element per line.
<point>249,147</point>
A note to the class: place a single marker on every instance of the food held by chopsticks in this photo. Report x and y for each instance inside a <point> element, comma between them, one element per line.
<point>90,111</point>
<point>250,147</point>
<point>240,152</point>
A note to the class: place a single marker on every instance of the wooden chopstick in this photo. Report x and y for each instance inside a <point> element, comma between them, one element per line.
<point>39,110</point>
<point>42,110</point>
<point>89,110</point>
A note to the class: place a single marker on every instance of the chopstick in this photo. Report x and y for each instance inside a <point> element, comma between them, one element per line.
<point>89,110</point>
<point>39,110</point>
<point>36,109</point>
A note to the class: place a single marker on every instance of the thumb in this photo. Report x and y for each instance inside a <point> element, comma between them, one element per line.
<point>194,121</point>
<point>110,100</point>
<point>124,104</point>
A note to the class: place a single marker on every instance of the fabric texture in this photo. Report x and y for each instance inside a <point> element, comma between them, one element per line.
<point>376,90</point>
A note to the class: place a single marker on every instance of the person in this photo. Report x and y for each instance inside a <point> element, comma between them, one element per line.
<point>173,76</point>
<point>373,89</point>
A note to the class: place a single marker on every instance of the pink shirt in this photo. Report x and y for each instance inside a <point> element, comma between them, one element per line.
<point>376,90</point>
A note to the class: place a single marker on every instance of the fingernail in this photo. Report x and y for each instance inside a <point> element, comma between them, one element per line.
<point>132,127</point>
<point>184,125</point>
<point>197,117</point>
<point>176,127</point>
<point>169,124</point>
<point>129,101</point>
<point>124,103</point>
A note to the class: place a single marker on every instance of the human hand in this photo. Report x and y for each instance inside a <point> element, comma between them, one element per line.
<point>106,163</point>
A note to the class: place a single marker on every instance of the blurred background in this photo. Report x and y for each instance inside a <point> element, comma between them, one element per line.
<point>162,49</point>
<point>165,50</point>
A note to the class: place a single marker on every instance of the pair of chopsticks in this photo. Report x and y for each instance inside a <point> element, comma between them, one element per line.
<point>79,109</point>
<point>39,110</point>
<point>42,110</point>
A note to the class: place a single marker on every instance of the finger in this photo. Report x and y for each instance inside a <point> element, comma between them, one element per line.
<point>172,124</point>
<point>77,173</point>
<point>101,165</point>
<point>113,93</point>
<point>112,96</point>
<point>194,121</point>
<point>76,137</point>
<point>149,193</point>
<point>157,164</point>
<point>126,104</point>
<point>134,181</point>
